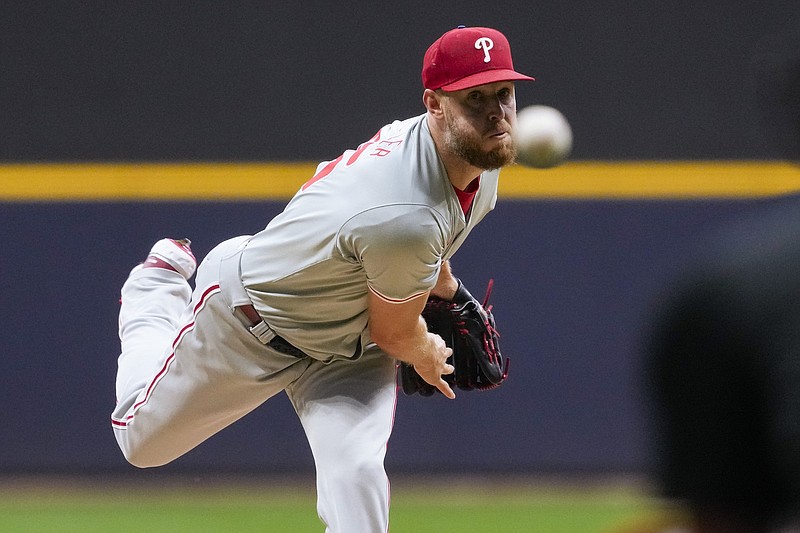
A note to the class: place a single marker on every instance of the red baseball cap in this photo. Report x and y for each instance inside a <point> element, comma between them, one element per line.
<point>467,57</point>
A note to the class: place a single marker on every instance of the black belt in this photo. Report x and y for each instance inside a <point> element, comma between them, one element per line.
<point>277,343</point>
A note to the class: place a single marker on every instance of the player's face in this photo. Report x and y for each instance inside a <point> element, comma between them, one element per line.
<point>479,123</point>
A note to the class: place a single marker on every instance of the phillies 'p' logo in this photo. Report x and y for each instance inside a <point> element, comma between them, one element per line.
<point>487,44</point>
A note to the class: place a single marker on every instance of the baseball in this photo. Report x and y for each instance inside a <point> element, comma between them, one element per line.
<point>543,137</point>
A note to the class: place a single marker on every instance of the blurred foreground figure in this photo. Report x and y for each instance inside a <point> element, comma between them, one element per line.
<point>724,373</point>
<point>723,364</point>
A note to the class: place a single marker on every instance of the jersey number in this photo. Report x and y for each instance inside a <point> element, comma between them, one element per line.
<point>327,169</point>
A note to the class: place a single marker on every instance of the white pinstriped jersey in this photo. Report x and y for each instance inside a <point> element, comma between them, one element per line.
<point>383,216</point>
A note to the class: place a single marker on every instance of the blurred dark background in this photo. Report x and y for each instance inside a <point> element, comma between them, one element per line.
<point>98,80</point>
<point>258,81</point>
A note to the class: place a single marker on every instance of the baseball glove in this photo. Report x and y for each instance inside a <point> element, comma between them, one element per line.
<point>467,327</point>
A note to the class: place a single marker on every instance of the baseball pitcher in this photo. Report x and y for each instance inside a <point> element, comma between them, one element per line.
<point>325,301</point>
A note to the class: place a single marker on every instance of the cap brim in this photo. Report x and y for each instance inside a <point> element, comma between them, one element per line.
<point>487,76</point>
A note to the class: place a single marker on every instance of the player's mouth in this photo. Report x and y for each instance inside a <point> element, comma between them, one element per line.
<point>498,131</point>
<point>498,134</point>
<point>499,138</point>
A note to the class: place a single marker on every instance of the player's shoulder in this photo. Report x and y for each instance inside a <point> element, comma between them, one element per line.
<point>389,225</point>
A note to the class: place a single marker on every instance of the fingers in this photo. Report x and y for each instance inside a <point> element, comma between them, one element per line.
<point>442,385</point>
<point>445,389</point>
<point>437,381</point>
<point>437,366</point>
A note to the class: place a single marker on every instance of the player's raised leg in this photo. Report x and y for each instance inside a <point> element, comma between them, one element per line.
<point>182,381</point>
<point>348,433</point>
<point>153,300</point>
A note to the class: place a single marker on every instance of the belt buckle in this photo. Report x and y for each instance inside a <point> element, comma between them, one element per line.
<point>262,332</point>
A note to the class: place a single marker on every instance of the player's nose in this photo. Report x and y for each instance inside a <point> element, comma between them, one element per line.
<point>496,112</point>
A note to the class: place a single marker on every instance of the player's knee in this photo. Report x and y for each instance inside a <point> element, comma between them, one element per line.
<point>141,455</point>
<point>351,469</point>
<point>141,458</point>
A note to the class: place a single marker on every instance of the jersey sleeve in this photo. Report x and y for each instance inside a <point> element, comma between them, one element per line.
<point>399,247</point>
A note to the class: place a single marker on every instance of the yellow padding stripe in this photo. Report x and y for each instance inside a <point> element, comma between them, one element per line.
<point>265,181</point>
<point>657,179</point>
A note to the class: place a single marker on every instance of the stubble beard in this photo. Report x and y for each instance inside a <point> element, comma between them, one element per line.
<point>466,145</point>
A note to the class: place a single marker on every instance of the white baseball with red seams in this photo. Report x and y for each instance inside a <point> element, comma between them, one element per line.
<point>543,137</point>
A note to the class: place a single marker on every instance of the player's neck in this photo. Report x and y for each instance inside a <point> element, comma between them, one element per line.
<point>459,172</point>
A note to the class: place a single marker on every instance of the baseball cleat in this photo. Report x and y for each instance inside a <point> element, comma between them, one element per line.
<point>172,254</point>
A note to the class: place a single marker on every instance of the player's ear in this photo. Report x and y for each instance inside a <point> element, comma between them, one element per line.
<point>433,102</point>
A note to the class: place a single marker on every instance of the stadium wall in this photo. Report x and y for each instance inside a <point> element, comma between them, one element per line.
<point>576,278</point>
